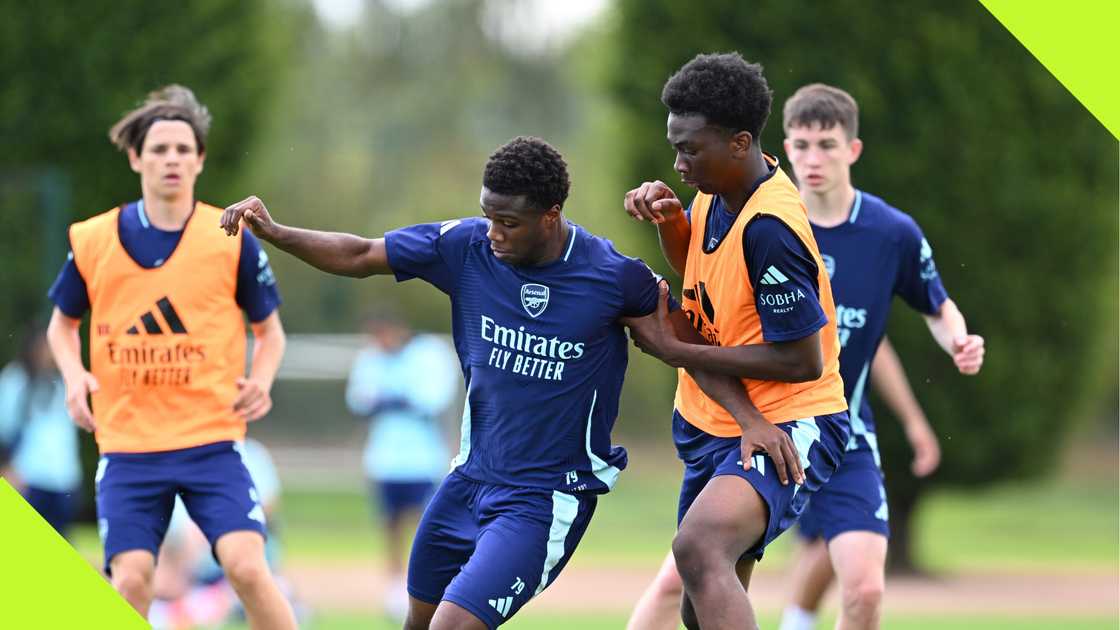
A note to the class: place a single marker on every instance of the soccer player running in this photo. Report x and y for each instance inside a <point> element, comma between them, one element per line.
<point>537,306</point>
<point>873,252</point>
<point>756,288</point>
<point>167,361</point>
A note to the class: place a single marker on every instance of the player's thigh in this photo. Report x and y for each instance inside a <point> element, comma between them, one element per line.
<point>419,615</point>
<point>451,616</point>
<point>728,517</point>
<point>220,495</point>
<point>527,538</point>
<point>853,499</point>
<point>134,503</point>
<point>444,541</point>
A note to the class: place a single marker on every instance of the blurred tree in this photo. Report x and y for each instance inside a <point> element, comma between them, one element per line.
<point>388,123</point>
<point>71,71</point>
<point>1012,180</point>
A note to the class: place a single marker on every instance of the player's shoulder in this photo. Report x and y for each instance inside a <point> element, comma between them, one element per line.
<point>881,216</point>
<point>601,253</point>
<point>96,233</point>
<point>99,220</point>
<point>778,192</point>
<point>206,209</point>
<point>465,231</point>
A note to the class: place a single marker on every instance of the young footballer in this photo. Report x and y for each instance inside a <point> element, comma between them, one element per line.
<point>167,302</point>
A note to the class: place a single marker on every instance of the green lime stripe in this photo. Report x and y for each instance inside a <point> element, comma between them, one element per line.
<point>1076,42</point>
<point>45,583</point>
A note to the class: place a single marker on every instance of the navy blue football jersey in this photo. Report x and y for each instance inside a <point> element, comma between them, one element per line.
<point>878,253</point>
<point>542,351</point>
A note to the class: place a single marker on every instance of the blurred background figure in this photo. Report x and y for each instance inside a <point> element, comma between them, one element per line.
<point>402,383</point>
<point>38,441</point>
<point>190,588</point>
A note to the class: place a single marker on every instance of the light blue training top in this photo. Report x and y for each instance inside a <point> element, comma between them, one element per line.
<point>46,456</point>
<point>404,394</point>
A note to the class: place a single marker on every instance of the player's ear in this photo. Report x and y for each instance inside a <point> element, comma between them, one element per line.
<point>553,215</point>
<point>201,161</point>
<point>134,160</point>
<point>856,150</point>
<point>741,143</point>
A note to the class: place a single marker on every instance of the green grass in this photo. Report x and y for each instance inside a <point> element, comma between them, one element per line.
<point>530,621</point>
<point>1067,525</point>
<point>1064,526</point>
<point>1060,526</point>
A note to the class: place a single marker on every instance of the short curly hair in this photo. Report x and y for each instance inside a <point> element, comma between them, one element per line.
<point>723,88</point>
<point>528,166</point>
<point>171,102</point>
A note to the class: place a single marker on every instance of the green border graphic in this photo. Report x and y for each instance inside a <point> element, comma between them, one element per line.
<point>1077,42</point>
<point>45,584</point>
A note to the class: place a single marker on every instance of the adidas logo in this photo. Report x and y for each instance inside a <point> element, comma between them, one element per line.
<point>151,324</point>
<point>773,276</point>
<point>502,605</point>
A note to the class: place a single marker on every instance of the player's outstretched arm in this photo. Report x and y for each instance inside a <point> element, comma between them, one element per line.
<point>950,332</point>
<point>657,203</point>
<point>333,252</point>
<point>65,342</point>
<point>890,381</point>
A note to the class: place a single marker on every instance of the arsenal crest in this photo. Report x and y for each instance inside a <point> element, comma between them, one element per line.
<point>534,298</point>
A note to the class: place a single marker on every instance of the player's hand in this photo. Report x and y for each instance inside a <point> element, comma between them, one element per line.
<point>927,451</point>
<point>761,435</point>
<point>252,211</point>
<point>968,353</point>
<point>653,334</point>
<point>78,389</point>
<point>253,399</point>
<point>652,201</point>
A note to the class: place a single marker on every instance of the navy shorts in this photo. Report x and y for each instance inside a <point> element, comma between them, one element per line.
<point>820,443</point>
<point>56,508</point>
<point>397,497</point>
<point>490,548</point>
<point>854,499</point>
<point>136,493</point>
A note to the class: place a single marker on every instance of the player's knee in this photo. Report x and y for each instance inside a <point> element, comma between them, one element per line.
<point>863,598</point>
<point>693,553</point>
<point>134,585</point>
<point>247,573</point>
